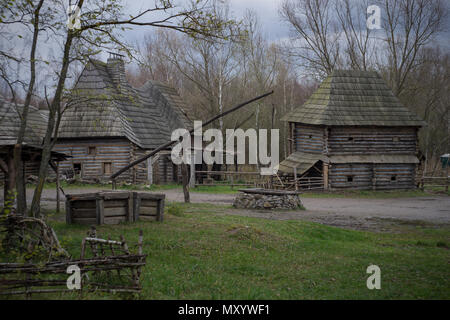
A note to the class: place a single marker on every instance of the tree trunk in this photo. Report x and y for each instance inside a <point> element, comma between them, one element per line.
<point>52,128</point>
<point>18,163</point>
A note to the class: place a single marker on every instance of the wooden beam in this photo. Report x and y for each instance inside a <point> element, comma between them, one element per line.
<point>295,179</point>
<point>325,176</point>
<point>170,143</point>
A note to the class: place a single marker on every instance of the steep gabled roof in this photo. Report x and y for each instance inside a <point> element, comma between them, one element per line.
<point>104,104</point>
<point>10,124</point>
<point>354,98</point>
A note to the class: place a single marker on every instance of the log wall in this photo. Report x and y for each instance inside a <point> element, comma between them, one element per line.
<point>367,176</point>
<point>308,138</point>
<point>115,151</point>
<point>366,140</point>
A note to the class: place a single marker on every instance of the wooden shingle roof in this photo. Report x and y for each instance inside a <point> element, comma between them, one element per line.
<point>104,104</point>
<point>353,98</point>
<point>10,124</point>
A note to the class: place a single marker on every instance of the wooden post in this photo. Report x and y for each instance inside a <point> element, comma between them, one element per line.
<point>57,188</point>
<point>295,178</point>
<point>184,172</point>
<point>150,171</point>
<point>100,212</point>
<point>325,176</point>
<point>130,215</point>
<point>160,210</point>
<point>136,205</point>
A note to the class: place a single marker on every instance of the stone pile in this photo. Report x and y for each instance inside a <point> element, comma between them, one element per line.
<point>267,200</point>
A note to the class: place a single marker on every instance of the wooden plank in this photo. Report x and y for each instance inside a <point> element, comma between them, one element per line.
<point>115,203</point>
<point>115,220</point>
<point>160,208</point>
<point>148,211</point>
<point>149,203</point>
<point>84,213</point>
<point>88,221</point>
<point>114,212</point>
<point>130,208</point>
<point>136,206</point>
<point>80,204</point>
<point>100,211</point>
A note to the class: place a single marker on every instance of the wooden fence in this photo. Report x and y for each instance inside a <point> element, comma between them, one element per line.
<point>229,178</point>
<point>303,183</point>
<point>425,182</point>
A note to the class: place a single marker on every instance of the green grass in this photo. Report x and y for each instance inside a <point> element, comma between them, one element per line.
<point>199,253</point>
<point>225,189</point>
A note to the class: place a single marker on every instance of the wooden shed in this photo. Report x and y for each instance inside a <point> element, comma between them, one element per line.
<point>109,123</point>
<point>352,133</point>
<point>31,148</point>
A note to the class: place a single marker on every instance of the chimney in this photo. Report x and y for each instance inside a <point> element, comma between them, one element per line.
<point>116,68</point>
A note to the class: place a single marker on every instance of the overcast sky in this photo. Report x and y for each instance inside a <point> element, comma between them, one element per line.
<point>266,10</point>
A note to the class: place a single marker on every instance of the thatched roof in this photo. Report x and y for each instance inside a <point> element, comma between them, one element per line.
<point>354,98</point>
<point>104,104</point>
<point>10,124</point>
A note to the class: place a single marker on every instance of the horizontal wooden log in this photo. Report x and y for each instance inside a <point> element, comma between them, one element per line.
<point>115,203</point>
<point>114,220</point>
<point>83,213</point>
<point>115,212</point>
<point>147,211</point>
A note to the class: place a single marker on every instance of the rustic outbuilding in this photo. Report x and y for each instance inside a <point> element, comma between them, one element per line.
<point>109,123</point>
<point>31,148</point>
<point>352,133</point>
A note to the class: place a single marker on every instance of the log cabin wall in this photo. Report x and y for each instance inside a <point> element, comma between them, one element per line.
<point>98,158</point>
<point>308,138</point>
<point>351,176</point>
<point>164,170</point>
<point>31,168</point>
<point>372,176</point>
<point>372,140</point>
<point>394,176</point>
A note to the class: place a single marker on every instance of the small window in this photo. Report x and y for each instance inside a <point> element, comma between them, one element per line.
<point>349,178</point>
<point>77,168</point>
<point>107,168</point>
<point>92,151</point>
<point>395,139</point>
<point>310,137</point>
<point>350,138</point>
<point>393,178</point>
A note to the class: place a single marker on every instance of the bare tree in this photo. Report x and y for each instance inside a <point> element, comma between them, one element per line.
<point>101,20</point>
<point>409,25</point>
<point>315,33</point>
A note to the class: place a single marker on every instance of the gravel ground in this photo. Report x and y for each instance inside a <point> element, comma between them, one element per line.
<point>354,213</point>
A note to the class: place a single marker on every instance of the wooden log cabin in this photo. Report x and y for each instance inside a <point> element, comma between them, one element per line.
<point>31,148</point>
<point>352,133</point>
<point>109,123</point>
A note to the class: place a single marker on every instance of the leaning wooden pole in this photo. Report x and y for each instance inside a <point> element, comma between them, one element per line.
<point>168,144</point>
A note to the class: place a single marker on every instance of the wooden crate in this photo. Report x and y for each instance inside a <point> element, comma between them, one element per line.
<point>148,206</point>
<point>113,207</point>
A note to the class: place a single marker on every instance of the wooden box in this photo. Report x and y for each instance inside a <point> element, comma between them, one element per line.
<point>113,207</point>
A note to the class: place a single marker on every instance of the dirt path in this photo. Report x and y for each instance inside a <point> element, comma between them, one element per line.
<point>354,213</point>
